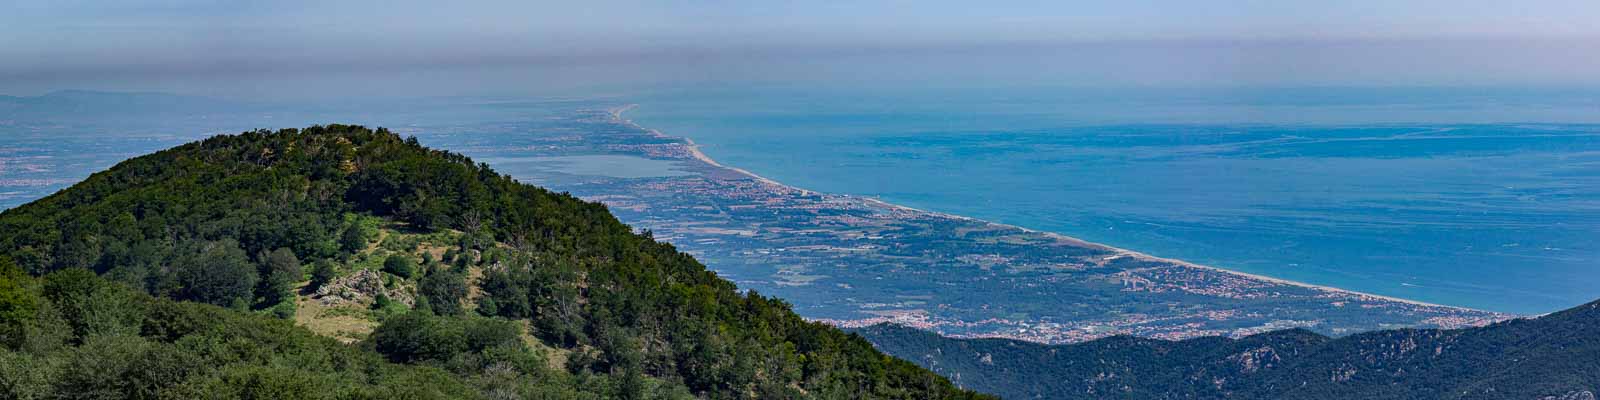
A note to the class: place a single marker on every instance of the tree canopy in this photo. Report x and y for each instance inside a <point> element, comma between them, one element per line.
<point>229,220</point>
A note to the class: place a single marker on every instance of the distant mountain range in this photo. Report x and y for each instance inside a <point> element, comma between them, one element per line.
<point>1556,356</point>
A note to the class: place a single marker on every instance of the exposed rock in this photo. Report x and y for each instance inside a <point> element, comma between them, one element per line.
<point>360,288</point>
<point>1255,359</point>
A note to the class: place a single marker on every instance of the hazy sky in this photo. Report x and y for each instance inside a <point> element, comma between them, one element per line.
<point>208,46</point>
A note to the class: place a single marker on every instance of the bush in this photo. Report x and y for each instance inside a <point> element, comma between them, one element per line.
<point>444,290</point>
<point>458,343</point>
<point>283,310</point>
<point>485,333</point>
<point>414,337</point>
<point>400,265</point>
<point>354,238</point>
<point>322,272</point>
<point>280,270</point>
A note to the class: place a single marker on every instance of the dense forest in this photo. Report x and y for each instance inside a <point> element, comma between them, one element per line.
<point>183,272</point>
<point>1555,357</point>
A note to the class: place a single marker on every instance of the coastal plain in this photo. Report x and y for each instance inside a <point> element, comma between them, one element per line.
<point>853,261</point>
<point>846,260</point>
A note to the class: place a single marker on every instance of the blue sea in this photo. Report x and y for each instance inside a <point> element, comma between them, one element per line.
<point>1472,197</point>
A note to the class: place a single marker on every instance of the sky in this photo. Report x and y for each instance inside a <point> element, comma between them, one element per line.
<point>283,47</point>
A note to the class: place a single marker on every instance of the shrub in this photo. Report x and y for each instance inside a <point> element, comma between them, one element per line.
<point>414,337</point>
<point>322,272</point>
<point>400,265</point>
<point>444,290</point>
<point>354,238</point>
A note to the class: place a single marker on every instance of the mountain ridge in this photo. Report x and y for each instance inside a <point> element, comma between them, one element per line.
<point>227,220</point>
<point>1550,356</point>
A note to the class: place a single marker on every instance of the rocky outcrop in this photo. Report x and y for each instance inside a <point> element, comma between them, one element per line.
<point>360,288</point>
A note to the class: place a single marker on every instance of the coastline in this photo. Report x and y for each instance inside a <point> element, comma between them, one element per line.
<point>694,151</point>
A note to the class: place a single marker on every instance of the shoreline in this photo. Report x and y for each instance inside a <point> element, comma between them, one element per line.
<point>694,151</point>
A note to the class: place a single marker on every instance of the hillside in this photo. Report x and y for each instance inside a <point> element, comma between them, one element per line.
<point>449,279</point>
<point>1556,356</point>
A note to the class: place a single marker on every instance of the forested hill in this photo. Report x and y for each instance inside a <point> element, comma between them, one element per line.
<point>177,273</point>
<point>1554,357</point>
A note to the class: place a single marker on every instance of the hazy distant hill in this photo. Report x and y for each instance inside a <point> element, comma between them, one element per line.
<point>1556,356</point>
<point>451,280</point>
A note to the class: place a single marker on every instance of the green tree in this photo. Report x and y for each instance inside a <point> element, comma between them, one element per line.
<point>96,370</point>
<point>484,333</point>
<point>93,306</point>
<point>18,303</point>
<point>637,313</point>
<point>322,272</point>
<point>445,289</point>
<point>217,273</point>
<point>354,238</point>
<point>162,366</point>
<point>414,337</point>
<point>280,270</point>
<point>401,265</point>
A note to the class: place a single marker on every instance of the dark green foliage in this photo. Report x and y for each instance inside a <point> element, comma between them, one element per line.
<point>1548,357</point>
<point>215,272</point>
<point>421,337</point>
<point>18,303</point>
<point>280,270</point>
<point>381,302</point>
<point>549,296</point>
<point>444,289</point>
<point>640,318</point>
<point>354,238</point>
<point>190,350</point>
<point>99,368</point>
<point>322,272</point>
<point>418,336</point>
<point>483,333</point>
<point>93,306</point>
<point>401,265</point>
<point>449,257</point>
<point>284,310</point>
<point>281,260</point>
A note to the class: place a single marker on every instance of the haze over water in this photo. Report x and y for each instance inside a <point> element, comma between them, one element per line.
<point>1436,195</point>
